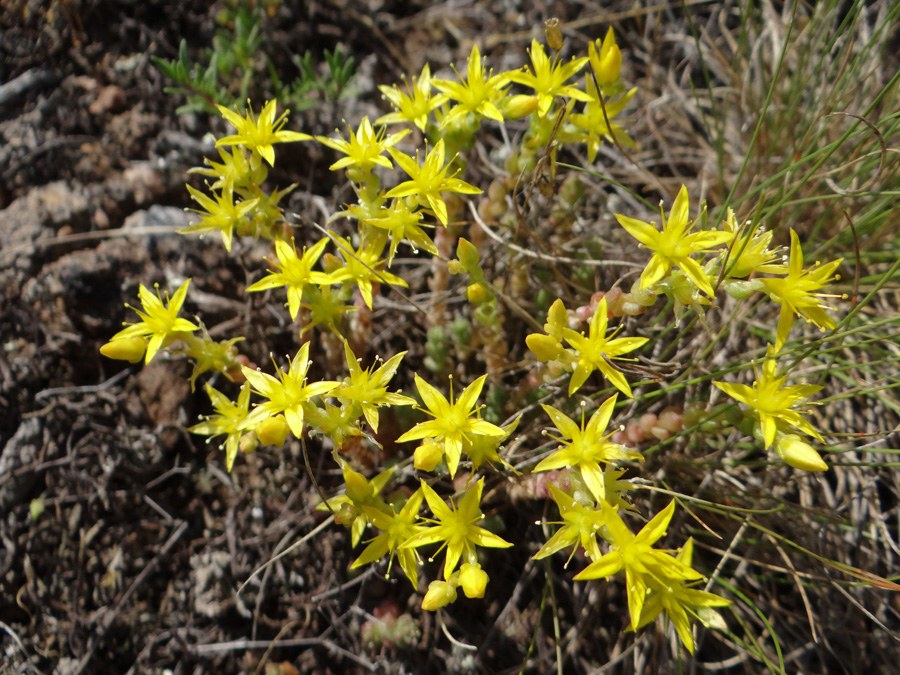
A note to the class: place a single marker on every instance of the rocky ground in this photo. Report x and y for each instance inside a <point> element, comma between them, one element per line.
<point>124,541</point>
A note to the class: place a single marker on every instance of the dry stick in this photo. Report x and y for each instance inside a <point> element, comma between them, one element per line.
<point>246,645</point>
<point>809,612</point>
<point>539,175</point>
<point>265,656</point>
<point>618,145</point>
<point>113,614</point>
<point>321,527</point>
<point>869,614</point>
<point>89,236</point>
<point>544,256</point>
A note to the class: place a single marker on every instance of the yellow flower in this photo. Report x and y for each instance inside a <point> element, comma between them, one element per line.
<point>585,448</point>
<point>607,63</point>
<point>772,401</point>
<point>416,105</point>
<point>673,245</point>
<point>597,350</point>
<point>796,293</point>
<point>158,321</point>
<point>395,528</point>
<point>364,149</point>
<point>362,266</point>
<point>288,393</point>
<point>260,133</point>
<point>456,527</point>
<point>477,94</point>
<point>548,80</point>
<point>580,525</point>
<point>228,420</point>
<point>403,223</point>
<point>592,123</point>
<point>428,181</point>
<point>677,599</point>
<point>368,389</point>
<point>750,253</point>
<point>294,272</point>
<point>635,555</point>
<point>222,214</point>
<point>453,421</point>
<point>360,499</point>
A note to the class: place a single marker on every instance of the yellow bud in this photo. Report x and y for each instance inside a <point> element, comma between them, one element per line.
<point>554,34</point>
<point>545,347</point>
<point>358,488</point>
<point>125,349</point>
<point>518,106</point>
<point>799,454</point>
<point>608,63</point>
<point>248,443</point>
<point>440,594</point>
<point>476,293</point>
<point>427,456</point>
<point>273,431</point>
<point>467,254</point>
<point>557,319</point>
<point>473,580</point>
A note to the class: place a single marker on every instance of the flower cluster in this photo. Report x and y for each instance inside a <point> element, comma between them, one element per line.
<point>407,187</point>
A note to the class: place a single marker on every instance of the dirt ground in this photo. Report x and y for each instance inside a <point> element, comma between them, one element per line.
<point>134,562</point>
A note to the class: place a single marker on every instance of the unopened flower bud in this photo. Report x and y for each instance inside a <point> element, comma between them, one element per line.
<point>331,263</point>
<point>473,580</point>
<point>553,31</point>
<point>273,431</point>
<point>740,289</point>
<point>607,64</point>
<point>125,349</point>
<point>440,594</point>
<point>248,443</point>
<point>519,106</point>
<point>476,293</point>
<point>799,454</point>
<point>467,254</point>
<point>427,456</point>
<point>545,347</point>
<point>358,488</point>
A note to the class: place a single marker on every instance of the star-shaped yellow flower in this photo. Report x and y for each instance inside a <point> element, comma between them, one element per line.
<point>596,351</point>
<point>220,214</point>
<point>457,527</point>
<point>478,94</point>
<point>549,80</point>
<point>368,387</point>
<point>584,448</point>
<point>288,393</point>
<point>227,420</point>
<point>796,293</point>
<point>295,272</point>
<point>363,266</point>
<point>259,133</point>
<point>365,148</point>
<point>772,401</point>
<point>428,181</point>
<point>157,320</point>
<point>635,554</point>
<point>415,105</point>
<point>673,245</point>
<point>396,528</point>
<point>453,420</point>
